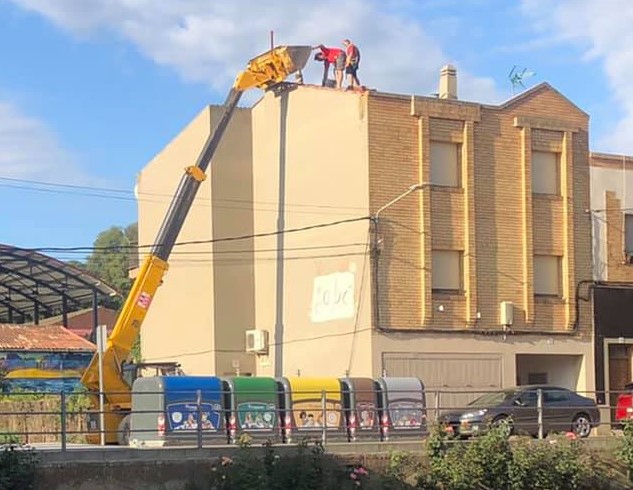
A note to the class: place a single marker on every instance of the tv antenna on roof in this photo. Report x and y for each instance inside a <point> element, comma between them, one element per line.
<point>517,75</point>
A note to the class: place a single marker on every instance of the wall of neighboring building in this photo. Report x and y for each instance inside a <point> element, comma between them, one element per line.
<point>312,286</point>
<point>82,322</point>
<point>43,371</point>
<point>611,200</point>
<point>192,318</point>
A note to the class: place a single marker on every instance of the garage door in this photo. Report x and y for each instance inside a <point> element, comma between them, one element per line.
<point>451,380</point>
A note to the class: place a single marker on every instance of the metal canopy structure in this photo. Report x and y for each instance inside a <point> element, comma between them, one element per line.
<point>34,286</point>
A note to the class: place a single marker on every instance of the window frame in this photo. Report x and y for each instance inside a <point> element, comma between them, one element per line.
<point>559,276</point>
<point>557,168</point>
<point>628,233</point>
<point>458,165</point>
<point>460,278</point>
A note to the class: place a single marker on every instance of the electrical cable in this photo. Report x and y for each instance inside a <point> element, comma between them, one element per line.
<point>360,302</point>
<point>127,195</point>
<point>240,251</point>
<point>241,351</point>
<point>198,242</point>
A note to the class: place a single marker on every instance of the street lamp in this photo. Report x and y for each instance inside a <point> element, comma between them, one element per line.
<point>413,188</point>
<point>376,243</point>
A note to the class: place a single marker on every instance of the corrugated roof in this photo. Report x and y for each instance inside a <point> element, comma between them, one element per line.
<point>31,281</point>
<point>38,338</point>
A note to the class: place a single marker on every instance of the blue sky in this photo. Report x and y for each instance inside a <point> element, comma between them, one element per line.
<point>90,90</point>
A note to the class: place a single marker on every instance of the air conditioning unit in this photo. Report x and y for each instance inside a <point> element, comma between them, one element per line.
<point>257,341</point>
<point>506,313</point>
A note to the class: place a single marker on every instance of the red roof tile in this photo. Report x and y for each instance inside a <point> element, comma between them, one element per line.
<point>41,338</point>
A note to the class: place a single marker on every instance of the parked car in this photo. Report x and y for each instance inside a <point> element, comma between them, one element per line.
<point>563,411</point>
<point>624,405</point>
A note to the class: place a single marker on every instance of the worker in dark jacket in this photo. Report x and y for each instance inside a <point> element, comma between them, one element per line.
<point>331,56</point>
<point>352,62</point>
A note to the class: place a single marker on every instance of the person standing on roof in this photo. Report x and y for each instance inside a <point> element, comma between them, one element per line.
<point>331,56</point>
<point>352,62</point>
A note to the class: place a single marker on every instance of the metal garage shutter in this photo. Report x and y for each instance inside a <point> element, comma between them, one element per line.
<point>451,380</point>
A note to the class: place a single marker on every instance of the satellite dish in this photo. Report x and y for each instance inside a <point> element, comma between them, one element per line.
<point>517,75</point>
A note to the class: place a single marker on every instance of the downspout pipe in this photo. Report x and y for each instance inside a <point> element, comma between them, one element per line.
<point>591,284</point>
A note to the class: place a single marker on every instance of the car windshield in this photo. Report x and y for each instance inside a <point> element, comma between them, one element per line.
<point>492,399</point>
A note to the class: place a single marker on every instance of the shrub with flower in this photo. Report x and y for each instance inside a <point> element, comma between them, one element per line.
<point>358,474</point>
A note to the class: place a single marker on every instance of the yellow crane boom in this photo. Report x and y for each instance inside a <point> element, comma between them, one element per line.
<point>265,71</point>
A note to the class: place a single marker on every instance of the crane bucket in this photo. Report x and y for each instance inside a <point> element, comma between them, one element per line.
<point>273,67</point>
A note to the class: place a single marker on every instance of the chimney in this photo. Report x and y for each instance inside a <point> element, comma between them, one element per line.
<point>448,82</point>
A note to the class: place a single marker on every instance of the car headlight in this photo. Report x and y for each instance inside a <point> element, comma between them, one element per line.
<point>474,415</point>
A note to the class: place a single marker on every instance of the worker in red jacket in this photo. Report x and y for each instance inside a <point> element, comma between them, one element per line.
<point>331,56</point>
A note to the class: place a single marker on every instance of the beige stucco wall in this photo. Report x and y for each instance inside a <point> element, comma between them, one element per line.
<point>195,313</point>
<point>448,345</point>
<point>310,167</point>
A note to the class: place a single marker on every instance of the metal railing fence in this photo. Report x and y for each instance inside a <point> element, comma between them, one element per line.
<point>62,418</point>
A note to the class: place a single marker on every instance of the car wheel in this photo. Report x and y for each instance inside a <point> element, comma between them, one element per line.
<point>505,422</point>
<point>581,425</point>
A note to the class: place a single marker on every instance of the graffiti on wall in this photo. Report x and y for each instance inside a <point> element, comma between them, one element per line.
<point>333,297</point>
<point>43,371</point>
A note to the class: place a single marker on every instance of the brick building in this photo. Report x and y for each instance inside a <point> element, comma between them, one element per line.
<point>411,235</point>
<point>81,322</point>
<point>612,225</point>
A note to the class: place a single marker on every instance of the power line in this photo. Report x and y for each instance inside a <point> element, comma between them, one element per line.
<point>241,251</point>
<point>198,204</point>
<point>127,195</point>
<point>360,302</point>
<point>200,242</point>
<point>246,260</point>
<point>274,344</point>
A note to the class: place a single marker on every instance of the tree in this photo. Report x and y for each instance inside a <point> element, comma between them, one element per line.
<point>111,259</point>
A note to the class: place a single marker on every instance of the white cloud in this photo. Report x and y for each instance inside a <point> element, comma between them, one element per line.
<point>210,41</point>
<point>29,149</point>
<point>603,30</point>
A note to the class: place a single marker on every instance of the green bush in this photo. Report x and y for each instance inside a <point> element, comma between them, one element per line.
<point>307,469</point>
<point>489,462</point>
<point>558,463</point>
<point>482,463</point>
<point>403,470</point>
<point>493,461</point>
<point>625,452</point>
<point>17,468</point>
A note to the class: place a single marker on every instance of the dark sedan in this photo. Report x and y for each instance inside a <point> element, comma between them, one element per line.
<point>562,411</point>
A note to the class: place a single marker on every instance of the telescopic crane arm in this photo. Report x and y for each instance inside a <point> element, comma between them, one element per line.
<point>264,72</point>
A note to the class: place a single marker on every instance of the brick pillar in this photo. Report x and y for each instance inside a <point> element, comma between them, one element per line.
<point>426,259</point>
<point>567,191</point>
<point>528,247</point>
<point>470,252</point>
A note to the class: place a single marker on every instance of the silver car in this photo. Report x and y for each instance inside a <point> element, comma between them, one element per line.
<point>562,411</point>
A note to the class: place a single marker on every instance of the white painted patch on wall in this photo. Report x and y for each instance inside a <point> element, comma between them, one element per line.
<point>333,297</point>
